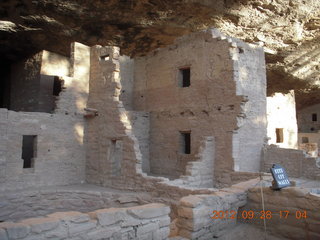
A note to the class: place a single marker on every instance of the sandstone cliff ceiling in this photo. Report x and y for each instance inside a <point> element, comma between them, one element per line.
<point>288,29</point>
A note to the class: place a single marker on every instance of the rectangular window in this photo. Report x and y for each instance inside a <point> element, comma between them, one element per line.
<point>29,150</point>
<point>105,57</point>
<point>185,142</point>
<point>279,135</point>
<point>184,77</point>
<point>314,117</point>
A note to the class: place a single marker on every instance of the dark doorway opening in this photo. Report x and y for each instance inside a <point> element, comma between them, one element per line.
<point>29,150</point>
<point>184,77</point>
<point>185,142</point>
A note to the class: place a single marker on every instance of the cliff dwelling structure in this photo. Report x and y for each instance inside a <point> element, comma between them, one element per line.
<point>133,129</point>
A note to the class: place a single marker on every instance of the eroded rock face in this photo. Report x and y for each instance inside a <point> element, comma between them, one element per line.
<point>289,29</point>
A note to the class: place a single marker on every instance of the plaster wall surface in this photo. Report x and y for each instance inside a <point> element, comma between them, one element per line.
<point>60,153</point>
<point>54,64</point>
<point>282,115</point>
<point>250,76</point>
<point>126,79</point>
<point>306,122</point>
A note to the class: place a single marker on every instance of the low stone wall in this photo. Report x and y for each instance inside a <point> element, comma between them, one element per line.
<point>33,203</point>
<point>147,222</point>
<point>196,212</point>
<point>296,162</point>
<point>297,201</point>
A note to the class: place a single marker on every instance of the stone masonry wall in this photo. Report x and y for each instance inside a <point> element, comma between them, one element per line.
<point>305,120</point>
<point>208,107</point>
<point>112,130</point>
<point>60,153</point>
<point>296,162</point>
<point>294,200</point>
<point>199,172</point>
<point>250,76</point>
<point>195,212</point>
<point>147,222</point>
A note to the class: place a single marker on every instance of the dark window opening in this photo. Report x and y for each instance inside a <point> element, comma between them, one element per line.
<point>185,142</point>
<point>105,57</point>
<point>29,150</point>
<point>305,140</point>
<point>115,155</point>
<point>57,86</point>
<point>184,77</point>
<point>314,117</point>
<point>279,135</point>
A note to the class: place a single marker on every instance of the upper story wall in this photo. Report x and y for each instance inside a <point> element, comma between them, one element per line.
<point>208,107</point>
<point>309,119</point>
<point>58,149</point>
<point>282,121</point>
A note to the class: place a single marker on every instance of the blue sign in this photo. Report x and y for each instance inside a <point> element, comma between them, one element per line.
<point>280,177</point>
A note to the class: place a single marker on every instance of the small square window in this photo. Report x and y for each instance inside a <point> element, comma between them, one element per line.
<point>314,117</point>
<point>105,57</point>
<point>305,140</point>
<point>184,77</point>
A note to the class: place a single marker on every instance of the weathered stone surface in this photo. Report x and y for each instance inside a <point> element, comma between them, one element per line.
<point>3,235</point>
<point>152,210</point>
<point>110,216</point>
<point>39,225</point>
<point>75,226</point>
<point>17,230</point>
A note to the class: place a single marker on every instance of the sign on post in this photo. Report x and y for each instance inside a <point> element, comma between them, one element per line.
<point>280,177</point>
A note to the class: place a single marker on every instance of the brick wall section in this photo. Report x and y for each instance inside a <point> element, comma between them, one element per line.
<point>195,211</point>
<point>296,162</point>
<point>290,199</point>
<point>149,222</point>
<point>60,157</point>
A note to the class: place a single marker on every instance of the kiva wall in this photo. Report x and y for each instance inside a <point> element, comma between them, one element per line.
<point>286,208</point>
<point>149,221</point>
